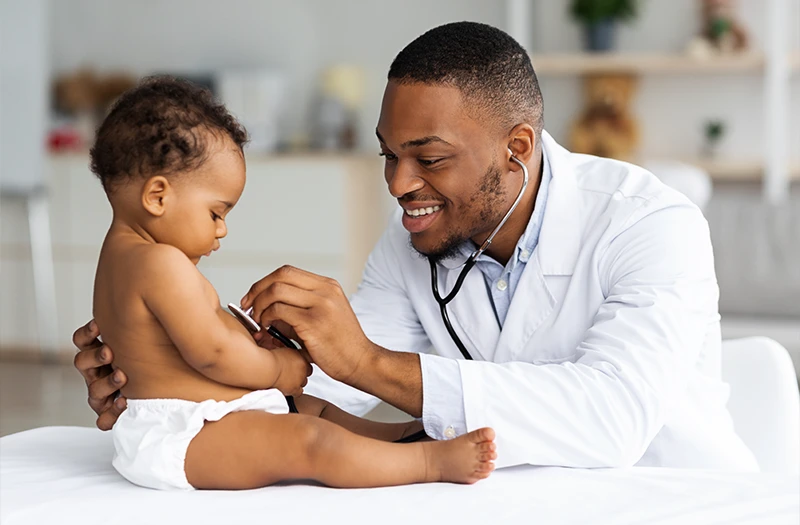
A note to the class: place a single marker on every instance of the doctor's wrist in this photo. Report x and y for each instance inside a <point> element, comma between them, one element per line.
<point>395,377</point>
<point>364,364</point>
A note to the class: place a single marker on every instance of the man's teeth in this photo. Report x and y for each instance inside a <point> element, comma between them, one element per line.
<point>419,212</point>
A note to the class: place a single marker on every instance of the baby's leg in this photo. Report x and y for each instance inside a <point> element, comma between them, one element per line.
<point>313,406</point>
<point>253,449</point>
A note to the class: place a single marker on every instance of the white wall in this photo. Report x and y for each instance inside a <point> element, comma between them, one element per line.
<point>23,92</point>
<point>299,37</point>
<point>302,36</point>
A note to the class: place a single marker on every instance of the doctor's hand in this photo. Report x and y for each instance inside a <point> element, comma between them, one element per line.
<point>93,361</point>
<point>319,314</point>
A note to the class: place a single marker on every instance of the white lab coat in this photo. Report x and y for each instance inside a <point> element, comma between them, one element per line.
<point>610,353</point>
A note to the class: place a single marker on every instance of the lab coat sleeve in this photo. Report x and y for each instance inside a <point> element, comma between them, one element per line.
<point>387,317</point>
<point>604,407</point>
<point>442,397</point>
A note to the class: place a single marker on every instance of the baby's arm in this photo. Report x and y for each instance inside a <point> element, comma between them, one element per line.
<point>188,308</point>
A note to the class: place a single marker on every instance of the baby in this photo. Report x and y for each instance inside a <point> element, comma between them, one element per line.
<point>206,405</point>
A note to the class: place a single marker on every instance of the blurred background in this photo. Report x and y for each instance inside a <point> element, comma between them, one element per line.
<point>704,93</point>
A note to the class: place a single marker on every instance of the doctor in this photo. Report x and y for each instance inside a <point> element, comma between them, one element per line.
<point>591,318</point>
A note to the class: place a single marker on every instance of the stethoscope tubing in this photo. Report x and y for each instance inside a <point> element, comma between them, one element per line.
<point>443,302</point>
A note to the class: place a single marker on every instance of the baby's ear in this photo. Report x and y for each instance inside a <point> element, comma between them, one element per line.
<point>155,194</point>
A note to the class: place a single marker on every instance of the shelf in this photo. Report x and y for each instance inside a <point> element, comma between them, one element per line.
<point>738,170</point>
<point>656,63</point>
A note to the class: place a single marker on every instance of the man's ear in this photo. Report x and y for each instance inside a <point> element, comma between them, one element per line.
<point>156,192</point>
<point>522,144</point>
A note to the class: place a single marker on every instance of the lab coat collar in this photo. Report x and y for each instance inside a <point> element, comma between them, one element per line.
<point>559,240</point>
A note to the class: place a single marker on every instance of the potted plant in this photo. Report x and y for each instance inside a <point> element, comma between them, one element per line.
<point>714,131</point>
<point>599,17</point>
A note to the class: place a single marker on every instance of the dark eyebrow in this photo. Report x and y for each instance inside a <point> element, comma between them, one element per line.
<point>424,141</point>
<point>227,204</point>
<point>415,143</point>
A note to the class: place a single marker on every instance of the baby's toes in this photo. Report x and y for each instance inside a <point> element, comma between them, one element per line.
<point>487,446</point>
<point>485,467</point>
<point>487,456</point>
<point>482,475</point>
<point>481,435</point>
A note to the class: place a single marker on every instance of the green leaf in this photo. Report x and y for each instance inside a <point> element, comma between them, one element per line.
<point>593,11</point>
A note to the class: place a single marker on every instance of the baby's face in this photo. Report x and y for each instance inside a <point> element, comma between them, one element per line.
<point>202,200</point>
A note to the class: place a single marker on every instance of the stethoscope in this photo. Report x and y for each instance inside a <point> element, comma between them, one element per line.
<point>443,302</point>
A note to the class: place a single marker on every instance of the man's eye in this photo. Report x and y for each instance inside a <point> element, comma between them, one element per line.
<point>428,162</point>
<point>390,157</point>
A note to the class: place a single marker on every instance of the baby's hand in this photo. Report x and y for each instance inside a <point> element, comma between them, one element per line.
<point>294,371</point>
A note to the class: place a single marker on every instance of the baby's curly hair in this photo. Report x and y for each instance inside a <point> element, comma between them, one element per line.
<point>160,127</point>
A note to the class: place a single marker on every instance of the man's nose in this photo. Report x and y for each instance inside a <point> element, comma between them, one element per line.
<point>403,179</point>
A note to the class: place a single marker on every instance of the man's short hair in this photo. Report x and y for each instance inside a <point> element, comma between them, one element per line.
<point>160,127</point>
<point>489,67</point>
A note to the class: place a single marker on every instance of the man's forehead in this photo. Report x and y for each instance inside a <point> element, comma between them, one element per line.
<point>419,114</point>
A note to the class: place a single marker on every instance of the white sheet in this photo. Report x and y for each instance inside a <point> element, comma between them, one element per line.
<point>64,475</point>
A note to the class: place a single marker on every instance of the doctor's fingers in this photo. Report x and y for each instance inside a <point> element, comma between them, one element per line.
<point>86,337</point>
<point>102,390</point>
<point>107,418</point>
<point>289,275</point>
<point>94,363</point>
<point>294,316</point>
<point>282,292</point>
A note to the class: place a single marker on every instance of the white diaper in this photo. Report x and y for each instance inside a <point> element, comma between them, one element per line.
<point>151,437</point>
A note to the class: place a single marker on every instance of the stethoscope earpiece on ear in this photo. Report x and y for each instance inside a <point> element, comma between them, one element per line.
<point>515,159</point>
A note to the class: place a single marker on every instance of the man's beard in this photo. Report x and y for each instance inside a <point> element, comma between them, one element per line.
<point>487,200</point>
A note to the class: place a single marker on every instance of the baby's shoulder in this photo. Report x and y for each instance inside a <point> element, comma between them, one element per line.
<point>157,263</point>
<point>165,271</point>
<point>159,254</point>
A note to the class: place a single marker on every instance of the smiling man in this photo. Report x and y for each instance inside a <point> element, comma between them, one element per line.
<point>589,324</point>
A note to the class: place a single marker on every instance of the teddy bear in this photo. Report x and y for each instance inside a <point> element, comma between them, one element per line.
<point>606,127</point>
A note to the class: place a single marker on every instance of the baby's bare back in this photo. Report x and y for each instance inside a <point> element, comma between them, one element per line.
<point>141,346</point>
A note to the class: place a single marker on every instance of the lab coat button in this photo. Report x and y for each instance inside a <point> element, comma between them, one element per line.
<point>502,285</point>
<point>449,432</point>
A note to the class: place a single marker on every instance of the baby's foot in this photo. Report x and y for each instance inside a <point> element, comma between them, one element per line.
<point>466,459</point>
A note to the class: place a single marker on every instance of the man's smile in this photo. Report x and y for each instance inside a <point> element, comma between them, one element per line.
<point>419,216</point>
